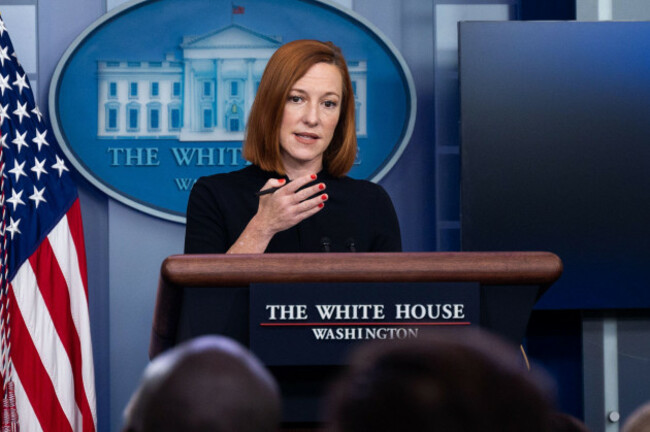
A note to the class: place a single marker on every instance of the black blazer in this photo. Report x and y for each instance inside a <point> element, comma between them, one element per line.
<point>358,216</point>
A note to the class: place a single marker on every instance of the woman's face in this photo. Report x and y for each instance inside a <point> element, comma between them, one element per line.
<point>311,113</point>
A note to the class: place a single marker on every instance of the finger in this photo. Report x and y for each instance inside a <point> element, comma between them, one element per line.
<point>311,207</point>
<point>311,212</point>
<point>315,202</point>
<point>274,182</point>
<point>271,186</point>
<point>309,192</point>
<point>299,182</point>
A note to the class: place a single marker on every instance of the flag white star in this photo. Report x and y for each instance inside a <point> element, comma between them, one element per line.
<point>40,139</point>
<point>2,28</point>
<point>60,166</point>
<point>21,111</point>
<point>3,113</point>
<point>3,141</point>
<point>13,227</point>
<point>37,196</point>
<point>21,82</point>
<point>4,84</point>
<point>15,198</point>
<point>20,141</point>
<point>38,114</point>
<point>38,168</point>
<point>18,170</point>
<point>4,56</point>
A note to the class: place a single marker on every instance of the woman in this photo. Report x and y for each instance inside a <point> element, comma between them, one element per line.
<point>301,142</point>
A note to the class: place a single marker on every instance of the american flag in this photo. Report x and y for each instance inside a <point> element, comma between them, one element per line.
<point>237,10</point>
<point>46,352</point>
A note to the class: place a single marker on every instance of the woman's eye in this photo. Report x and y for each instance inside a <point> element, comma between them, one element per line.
<point>295,99</point>
<point>330,104</point>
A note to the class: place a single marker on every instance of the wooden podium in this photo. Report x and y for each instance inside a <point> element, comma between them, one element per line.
<point>510,283</point>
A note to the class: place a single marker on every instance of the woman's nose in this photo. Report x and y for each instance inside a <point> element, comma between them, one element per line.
<point>311,115</point>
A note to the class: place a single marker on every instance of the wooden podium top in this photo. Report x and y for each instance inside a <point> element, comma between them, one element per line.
<point>484,267</point>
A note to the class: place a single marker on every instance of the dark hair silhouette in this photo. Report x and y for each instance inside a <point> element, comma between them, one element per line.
<point>451,381</point>
<point>211,383</point>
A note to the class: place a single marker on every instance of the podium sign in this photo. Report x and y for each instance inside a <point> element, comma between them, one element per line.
<point>318,323</point>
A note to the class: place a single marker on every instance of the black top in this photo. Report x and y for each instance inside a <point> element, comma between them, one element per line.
<point>358,216</point>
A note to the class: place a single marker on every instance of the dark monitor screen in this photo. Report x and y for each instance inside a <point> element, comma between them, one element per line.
<point>555,152</point>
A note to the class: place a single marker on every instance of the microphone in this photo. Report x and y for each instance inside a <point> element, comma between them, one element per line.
<point>350,245</point>
<point>325,244</point>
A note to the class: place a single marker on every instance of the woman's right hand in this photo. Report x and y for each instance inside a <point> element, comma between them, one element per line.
<point>289,205</point>
<point>280,210</point>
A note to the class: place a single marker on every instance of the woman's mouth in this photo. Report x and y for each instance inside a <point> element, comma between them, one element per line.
<point>306,137</point>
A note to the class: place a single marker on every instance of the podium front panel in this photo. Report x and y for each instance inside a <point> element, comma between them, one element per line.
<point>318,323</point>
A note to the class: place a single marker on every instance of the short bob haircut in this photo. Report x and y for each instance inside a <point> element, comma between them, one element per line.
<point>286,66</point>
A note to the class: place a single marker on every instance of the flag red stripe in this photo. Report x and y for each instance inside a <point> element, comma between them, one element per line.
<point>54,291</point>
<point>76,229</point>
<point>34,377</point>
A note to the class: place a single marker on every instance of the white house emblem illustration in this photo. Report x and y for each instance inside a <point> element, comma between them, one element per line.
<point>204,96</point>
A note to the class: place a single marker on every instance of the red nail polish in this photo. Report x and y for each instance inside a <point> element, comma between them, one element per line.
<point>281,181</point>
<point>321,186</point>
<point>313,176</point>
<point>323,197</point>
<point>321,205</point>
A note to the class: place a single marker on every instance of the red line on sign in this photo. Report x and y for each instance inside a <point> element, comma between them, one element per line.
<point>452,323</point>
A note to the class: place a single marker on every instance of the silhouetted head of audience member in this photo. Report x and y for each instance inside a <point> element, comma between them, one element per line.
<point>639,420</point>
<point>562,422</point>
<point>211,383</point>
<point>447,381</point>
